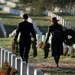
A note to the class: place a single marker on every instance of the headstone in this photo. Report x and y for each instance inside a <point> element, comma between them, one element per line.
<point>37,37</point>
<point>69,49</point>
<point>9,57</point>
<point>74,46</point>
<point>3,1</point>
<point>13,57</point>
<point>23,68</point>
<point>64,45</point>
<point>37,72</point>
<point>30,69</point>
<point>18,64</point>
<point>43,38</point>
<point>2,56</point>
<point>47,74</point>
<point>50,38</point>
<point>5,55</point>
<point>63,22</point>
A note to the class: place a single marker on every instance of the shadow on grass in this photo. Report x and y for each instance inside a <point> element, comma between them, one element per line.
<point>8,15</point>
<point>41,19</point>
<point>43,29</point>
<point>59,71</point>
<point>63,14</point>
<point>9,29</point>
<point>36,14</point>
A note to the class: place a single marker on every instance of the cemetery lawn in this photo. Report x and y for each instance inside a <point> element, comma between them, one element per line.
<point>67,64</point>
<point>9,21</point>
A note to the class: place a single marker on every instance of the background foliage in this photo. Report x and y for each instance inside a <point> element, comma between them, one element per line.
<point>48,4</point>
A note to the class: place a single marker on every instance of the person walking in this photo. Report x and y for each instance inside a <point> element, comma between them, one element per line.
<point>57,39</point>
<point>26,31</point>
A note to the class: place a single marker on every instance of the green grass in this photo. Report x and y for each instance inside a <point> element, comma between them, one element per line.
<point>41,21</point>
<point>2,4</point>
<point>7,42</point>
<point>60,72</point>
<point>9,21</point>
<point>44,21</point>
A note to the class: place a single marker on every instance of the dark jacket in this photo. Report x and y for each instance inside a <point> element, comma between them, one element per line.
<point>56,44</point>
<point>26,29</point>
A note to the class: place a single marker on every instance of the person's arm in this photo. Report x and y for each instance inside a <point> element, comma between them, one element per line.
<point>48,35</point>
<point>17,32</point>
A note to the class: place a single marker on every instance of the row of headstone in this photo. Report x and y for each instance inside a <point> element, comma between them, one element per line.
<point>20,13</point>
<point>61,20</point>
<point>67,9</point>
<point>10,10</point>
<point>11,4</point>
<point>15,0</point>
<point>3,1</point>
<point>43,38</point>
<point>12,1</point>
<point>35,27</point>
<point>70,11</point>
<point>3,29</point>
<point>17,63</point>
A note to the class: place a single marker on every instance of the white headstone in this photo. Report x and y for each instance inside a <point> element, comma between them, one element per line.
<point>37,37</point>
<point>23,68</point>
<point>5,55</point>
<point>13,57</point>
<point>2,56</point>
<point>43,38</point>
<point>9,57</point>
<point>18,64</point>
<point>30,69</point>
<point>37,72</point>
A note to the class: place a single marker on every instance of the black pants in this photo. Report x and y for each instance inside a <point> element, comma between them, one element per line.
<point>24,51</point>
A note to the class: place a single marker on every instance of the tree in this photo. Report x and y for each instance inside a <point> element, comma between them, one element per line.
<point>48,4</point>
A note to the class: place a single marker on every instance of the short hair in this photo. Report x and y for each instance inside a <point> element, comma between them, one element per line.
<point>25,16</point>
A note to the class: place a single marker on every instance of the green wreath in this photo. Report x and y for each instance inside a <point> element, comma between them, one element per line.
<point>69,37</point>
<point>15,48</point>
<point>34,48</point>
<point>46,50</point>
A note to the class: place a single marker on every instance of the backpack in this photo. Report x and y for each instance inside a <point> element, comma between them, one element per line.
<point>56,34</point>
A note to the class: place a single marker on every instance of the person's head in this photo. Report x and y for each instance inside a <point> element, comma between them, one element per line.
<point>25,16</point>
<point>54,20</point>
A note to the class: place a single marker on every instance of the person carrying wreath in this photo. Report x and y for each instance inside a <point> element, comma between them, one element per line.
<point>25,29</point>
<point>57,39</point>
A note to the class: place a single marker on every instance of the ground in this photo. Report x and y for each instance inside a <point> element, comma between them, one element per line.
<point>46,65</point>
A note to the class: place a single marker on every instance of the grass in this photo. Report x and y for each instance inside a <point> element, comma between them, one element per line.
<point>42,21</point>
<point>63,70</point>
<point>11,21</point>
<point>60,72</point>
<point>6,43</point>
